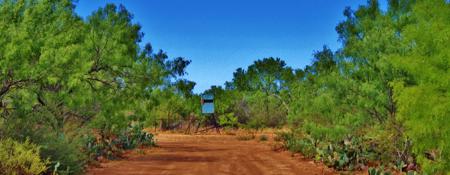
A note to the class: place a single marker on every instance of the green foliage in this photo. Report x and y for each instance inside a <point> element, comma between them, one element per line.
<point>228,120</point>
<point>134,137</point>
<point>111,147</point>
<point>65,80</point>
<point>347,154</point>
<point>20,158</point>
<point>256,96</point>
<point>389,78</point>
<point>305,146</point>
<point>64,153</point>
<point>423,99</point>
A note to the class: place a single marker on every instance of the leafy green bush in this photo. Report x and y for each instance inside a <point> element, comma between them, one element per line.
<point>20,158</point>
<point>301,145</point>
<point>296,143</point>
<point>228,120</point>
<point>423,98</point>
<point>63,148</point>
<point>61,86</point>
<point>65,153</point>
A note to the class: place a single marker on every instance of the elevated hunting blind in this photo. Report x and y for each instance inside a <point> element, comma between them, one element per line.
<point>207,104</point>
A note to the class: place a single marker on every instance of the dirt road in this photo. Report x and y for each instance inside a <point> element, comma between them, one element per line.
<point>209,154</point>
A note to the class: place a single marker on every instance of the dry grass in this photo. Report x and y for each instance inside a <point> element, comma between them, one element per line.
<point>246,137</point>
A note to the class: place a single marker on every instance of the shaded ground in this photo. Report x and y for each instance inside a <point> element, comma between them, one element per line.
<point>209,154</point>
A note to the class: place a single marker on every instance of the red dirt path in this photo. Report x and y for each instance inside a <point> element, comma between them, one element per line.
<point>209,154</point>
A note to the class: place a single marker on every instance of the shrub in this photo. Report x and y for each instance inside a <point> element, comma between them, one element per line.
<point>20,158</point>
<point>65,153</point>
<point>110,145</point>
<point>301,145</point>
<point>349,154</point>
<point>56,146</point>
<point>134,136</point>
<point>378,171</point>
<point>263,138</point>
<point>228,120</point>
<point>282,136</point>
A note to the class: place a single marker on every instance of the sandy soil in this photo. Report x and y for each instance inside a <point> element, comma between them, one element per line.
<point>209,154</point>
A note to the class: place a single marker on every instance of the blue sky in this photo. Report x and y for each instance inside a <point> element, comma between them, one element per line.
<point>220,36</point>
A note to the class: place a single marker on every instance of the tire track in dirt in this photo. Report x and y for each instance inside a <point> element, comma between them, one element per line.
<point>208,154</point>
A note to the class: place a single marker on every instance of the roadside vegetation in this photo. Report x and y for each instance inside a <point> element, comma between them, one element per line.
<point>75,91</point>
<point>381,100</point>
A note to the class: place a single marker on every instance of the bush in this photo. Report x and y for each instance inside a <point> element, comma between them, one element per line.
<point>110,145</point>
<point>263,138</point>
<point>65,154</point>
<point>378,171</point>
<point>349,154</point>
<point>20,158</point>
<point>282,136</point>
<point>58,147</point>
<point>228,120</point>
<point>301,145</point>
<point>134,136</point>
<point>296,143</point>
